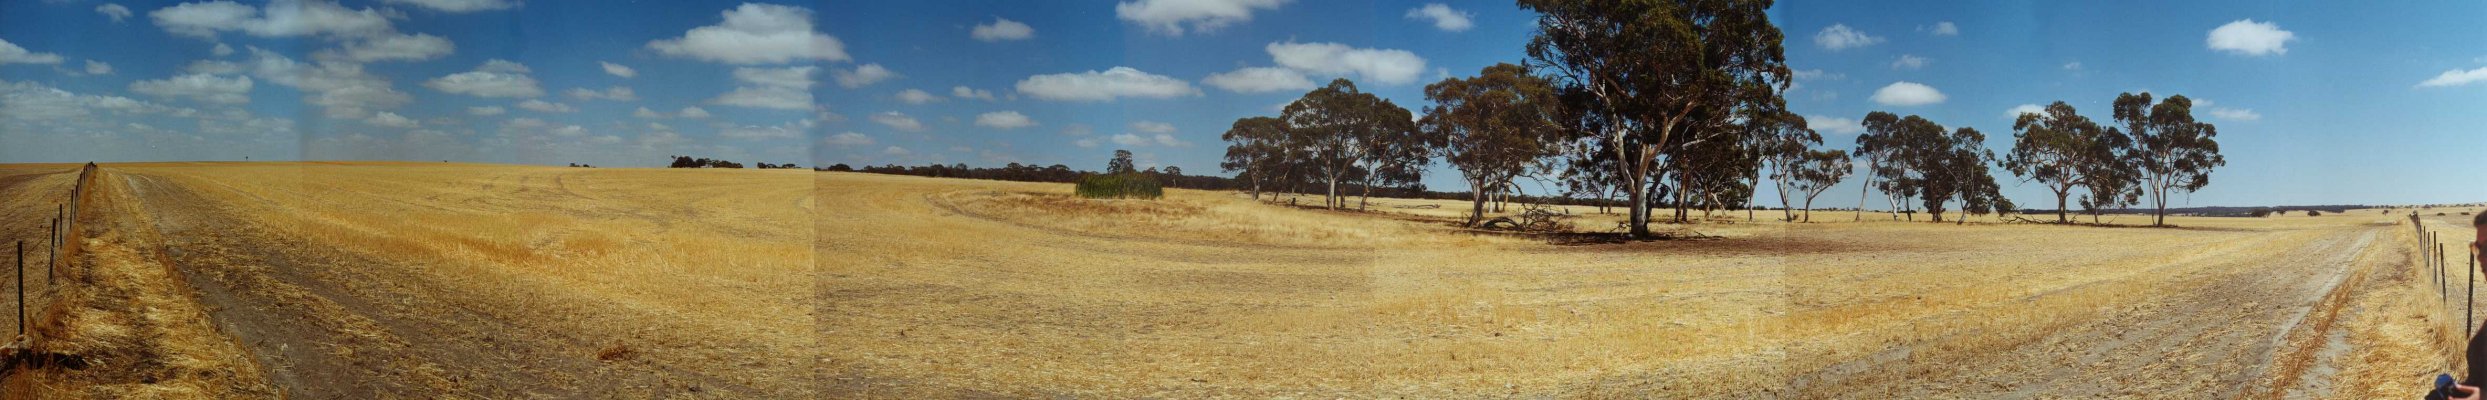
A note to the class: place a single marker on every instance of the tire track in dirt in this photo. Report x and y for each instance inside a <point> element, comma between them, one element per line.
<point>328,324</point>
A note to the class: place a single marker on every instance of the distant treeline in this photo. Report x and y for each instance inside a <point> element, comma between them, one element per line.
<point>704,162</point>
<point>1173,177</point>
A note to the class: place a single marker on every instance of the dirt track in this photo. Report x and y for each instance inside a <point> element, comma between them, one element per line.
<point>327,323</point>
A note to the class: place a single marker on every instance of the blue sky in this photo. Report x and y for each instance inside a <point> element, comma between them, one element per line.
<point>2316,103</point>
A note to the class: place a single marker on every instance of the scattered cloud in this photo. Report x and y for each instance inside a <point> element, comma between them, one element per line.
<point>1170,17</point>
<point>200,87</point>
<point>546,106</point>
<point>343,89</point>
<point>98,68</point>
<point>866,74</point>
<point>645,113</point>
<point>693,112</point>
<point>786,131</point>
<point>1088,143</point>
<point>2249,38</point>
<point>896,151</point>
<point>495,78</point>
<point>390,120</point>
<point>1904,94</point>
<point>1841,37</point>
<point>394,47</point>
<point>1259,80</point>
<point>786,88</point>
<point>118,12</point>
<point>616,93</point>
<point>1387,66</point>
<point>2235,114</point>
<point>2072,66</point>
<point>2016,111</point>
<point>486,111</point>
<point>916,97</point>
<point>896,120</point>
<point>1443,17</point>
<point>964,92</point>
<point>10,53</point>
<point>1105,86</point>
<point>618,70</point>
<point>1909,61</point>
<point>848,139</point>
<point>756,34</point>
<point>1152,127</point>
<point>459,6</point>
<point>1946,28</point>
<point>2456,77</point>
<point>1004,120</point>
<point>278,19</point>
<point>1002,29</point>
<point>1843,126</point>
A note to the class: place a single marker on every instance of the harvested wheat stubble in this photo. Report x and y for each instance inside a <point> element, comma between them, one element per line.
<point>958,287</point>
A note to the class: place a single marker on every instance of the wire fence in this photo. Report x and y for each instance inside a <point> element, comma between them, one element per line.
<point>59,247</point>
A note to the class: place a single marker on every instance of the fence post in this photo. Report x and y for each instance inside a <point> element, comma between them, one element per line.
<point>21,288</point>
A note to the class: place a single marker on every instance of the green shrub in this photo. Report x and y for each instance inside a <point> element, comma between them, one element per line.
<point>1120,186</point>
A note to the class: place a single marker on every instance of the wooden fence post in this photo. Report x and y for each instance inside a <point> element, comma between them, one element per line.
<point>21,288</point>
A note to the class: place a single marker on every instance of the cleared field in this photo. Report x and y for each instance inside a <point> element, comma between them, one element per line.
<point>375,280</point>
<point>938,288</point>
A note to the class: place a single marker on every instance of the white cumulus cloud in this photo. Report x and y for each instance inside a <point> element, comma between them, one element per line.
<point>495,78</point>
<point>390,120</point>
<point>896,120</point>
<point>1946,28</point>
<point>862,75</point>
<point>201,87</point>
<point>964,92</point>
<point>2246,37</point>
<point>756,34</point>
<point>2456,77</point>
<point>116,11</point>
<point>1443,17</point>
<point>1002,29</point>
<point>848,139</point>
<point>618,69</point>
<point>1841,37</point>
<point>546,106</point>
<point>1004,120</point>
<point>1171,17</point>
<point>1387,66</point>
<point>460,6</point>
<point>1259,80</point>
<point>1836,125</point>
<point>10,53</point>
<point>1906,94</point>
<point>279,18</point>
<point>1105,85</point>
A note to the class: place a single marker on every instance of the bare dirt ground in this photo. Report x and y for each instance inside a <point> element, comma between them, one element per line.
<point>958,287</point>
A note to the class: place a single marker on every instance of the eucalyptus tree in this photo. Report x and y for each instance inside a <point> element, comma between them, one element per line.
<point>2170,151</point>
<point>1645,70</point>
<point>1493,128</point>
<point>1343,133</point>
<point>1256,151</point>
<point>2053,147</point>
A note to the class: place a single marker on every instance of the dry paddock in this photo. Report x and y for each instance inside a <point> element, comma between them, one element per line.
<point>323,280</point>
<point>956,287</point>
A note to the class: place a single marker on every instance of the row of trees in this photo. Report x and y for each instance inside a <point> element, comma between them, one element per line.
<point>1679,103</point>
<point>2155,150</point>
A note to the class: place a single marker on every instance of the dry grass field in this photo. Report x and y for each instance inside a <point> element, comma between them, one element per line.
<point>941,288</point>
<point>373,280</point>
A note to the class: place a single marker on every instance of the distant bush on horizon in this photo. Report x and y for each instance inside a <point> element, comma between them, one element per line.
<point>1120,186</point>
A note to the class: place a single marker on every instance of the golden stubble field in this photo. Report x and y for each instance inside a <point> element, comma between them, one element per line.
<point>935,287</point>
<point>370,280</point>
<point>362,280</point>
